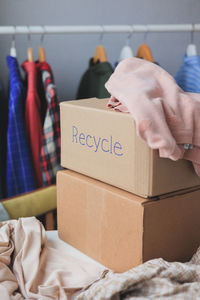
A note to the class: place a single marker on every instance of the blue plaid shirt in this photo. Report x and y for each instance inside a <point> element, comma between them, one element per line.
<point>188,76</point>
<point>20,176</point>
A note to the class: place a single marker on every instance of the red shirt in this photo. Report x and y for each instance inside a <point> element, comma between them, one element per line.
<point>33,119</point>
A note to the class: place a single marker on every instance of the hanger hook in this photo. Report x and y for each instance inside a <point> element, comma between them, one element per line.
<point>102,33</point>
<point>129,36</point>
<point>192,34</point>
<point>42,35</point>
<point>29,34</point>
<point>13,37</point>
<point>146,33</point>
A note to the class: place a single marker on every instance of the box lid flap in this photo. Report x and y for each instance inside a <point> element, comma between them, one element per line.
<point>92,103</point>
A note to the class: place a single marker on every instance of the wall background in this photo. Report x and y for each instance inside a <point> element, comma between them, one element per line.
<point>69,54</point>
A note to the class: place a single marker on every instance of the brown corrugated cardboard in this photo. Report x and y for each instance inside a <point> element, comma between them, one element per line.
<point>122,230</point>
<point>102,143</point>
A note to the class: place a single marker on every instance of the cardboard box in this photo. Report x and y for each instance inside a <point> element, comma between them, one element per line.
<point>102,143</point>
<point>121,230</point>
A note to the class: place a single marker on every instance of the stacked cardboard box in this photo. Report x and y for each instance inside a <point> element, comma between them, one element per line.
<point>123,204</point>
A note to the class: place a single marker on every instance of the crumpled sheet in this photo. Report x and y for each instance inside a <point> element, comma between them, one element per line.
<point>155,279</point>
<point>29,269</point>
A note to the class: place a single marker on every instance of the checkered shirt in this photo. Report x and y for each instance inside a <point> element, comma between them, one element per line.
<point>50,152</point>
<point>19,170</point>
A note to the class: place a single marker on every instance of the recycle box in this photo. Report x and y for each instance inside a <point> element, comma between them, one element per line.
<point>102,143</point>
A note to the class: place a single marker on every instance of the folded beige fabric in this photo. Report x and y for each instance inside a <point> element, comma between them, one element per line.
<point>155,279</point>
<point>31,270</point>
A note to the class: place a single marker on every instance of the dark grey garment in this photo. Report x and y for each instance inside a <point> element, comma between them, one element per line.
<point>93,81</point>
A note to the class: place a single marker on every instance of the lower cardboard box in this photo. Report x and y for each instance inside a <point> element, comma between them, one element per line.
<point>121,230</point>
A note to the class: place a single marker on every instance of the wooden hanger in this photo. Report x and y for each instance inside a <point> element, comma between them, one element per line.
<point>145,52</point>
<point>30,55</point>
<point>100,54</point>
<point>42,55</point>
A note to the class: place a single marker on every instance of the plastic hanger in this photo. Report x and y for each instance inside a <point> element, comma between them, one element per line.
<point>145,52</point>
<point>191,48</point>
<point>30,50</point>
<point>13,51</point>
<point>126,51</point>
<point>42,55</point>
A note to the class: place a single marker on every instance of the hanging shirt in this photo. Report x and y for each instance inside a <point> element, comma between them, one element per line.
<point>188,76</point>
<point>19,175</point>
<point>33,119</point>
<point>50,151</point>
<point>3,140</point>
<point>93,80</point>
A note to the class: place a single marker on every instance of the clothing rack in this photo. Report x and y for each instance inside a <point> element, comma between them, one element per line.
<point>87,29</point>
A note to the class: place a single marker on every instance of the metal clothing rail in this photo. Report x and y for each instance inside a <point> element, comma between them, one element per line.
<point>98,29</point>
